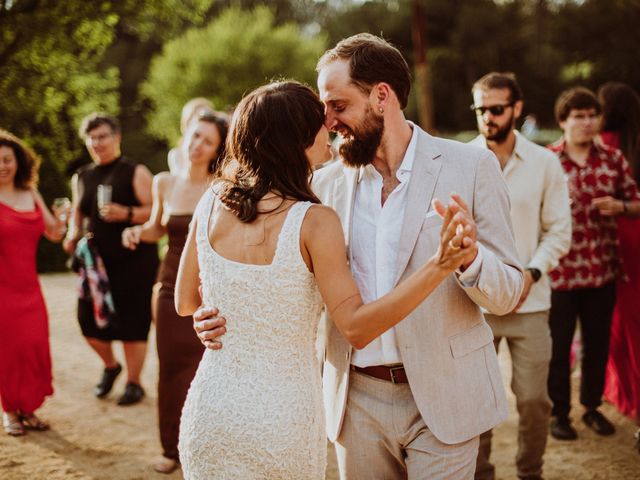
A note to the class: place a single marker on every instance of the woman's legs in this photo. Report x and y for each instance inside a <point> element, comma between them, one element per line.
<point>104,351</point>
<point>134,353</point>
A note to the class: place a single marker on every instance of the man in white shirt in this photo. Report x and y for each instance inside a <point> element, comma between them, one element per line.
<point>541,219</point>
<point>413,402</point>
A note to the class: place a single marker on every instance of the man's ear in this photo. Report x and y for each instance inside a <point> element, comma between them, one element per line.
<point>517,109</point>
<point>380,94</point>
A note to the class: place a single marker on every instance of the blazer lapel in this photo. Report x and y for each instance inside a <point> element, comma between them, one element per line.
<point>424,176</point>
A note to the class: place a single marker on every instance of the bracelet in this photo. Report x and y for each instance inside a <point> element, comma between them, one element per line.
<point>625,207</point>
<point>129,214</point>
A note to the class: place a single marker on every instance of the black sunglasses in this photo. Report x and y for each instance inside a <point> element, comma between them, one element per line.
<point>495,110</point>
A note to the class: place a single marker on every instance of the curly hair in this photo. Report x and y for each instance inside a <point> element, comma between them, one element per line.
<point>28,161</point>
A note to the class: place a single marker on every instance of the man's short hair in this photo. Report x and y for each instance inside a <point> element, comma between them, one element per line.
<point>500,80</point>
<point>371,60</point>
<point>577,98</point>
<point>94,120</point>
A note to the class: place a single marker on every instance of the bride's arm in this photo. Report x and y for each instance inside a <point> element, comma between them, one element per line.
<point>360,323</point>
<point>187,295</point>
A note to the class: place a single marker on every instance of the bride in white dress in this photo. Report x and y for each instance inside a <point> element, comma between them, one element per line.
<point>264,252</point>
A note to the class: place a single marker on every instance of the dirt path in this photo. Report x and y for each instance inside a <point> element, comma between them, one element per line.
<point>94,439</point>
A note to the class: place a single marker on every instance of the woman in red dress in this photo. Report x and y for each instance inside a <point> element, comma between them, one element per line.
<point>25,361</point>
<point>621,129</point>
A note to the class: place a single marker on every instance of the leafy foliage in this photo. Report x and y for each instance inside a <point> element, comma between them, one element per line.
<point>235,53</point>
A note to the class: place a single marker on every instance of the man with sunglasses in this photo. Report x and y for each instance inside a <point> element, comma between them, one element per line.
<point>541,219</point>
<point>601,187</point>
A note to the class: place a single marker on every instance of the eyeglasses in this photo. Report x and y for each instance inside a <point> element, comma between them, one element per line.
<point>98,138</point>
<point>495,110</point>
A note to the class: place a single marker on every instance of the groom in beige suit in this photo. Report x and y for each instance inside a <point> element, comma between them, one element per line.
<point>413,402</point>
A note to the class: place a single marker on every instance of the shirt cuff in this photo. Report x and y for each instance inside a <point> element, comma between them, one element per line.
<point>469,277</point>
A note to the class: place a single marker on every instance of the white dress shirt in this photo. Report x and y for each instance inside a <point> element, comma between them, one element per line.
<point>375,237</point>
<point>540,213</point>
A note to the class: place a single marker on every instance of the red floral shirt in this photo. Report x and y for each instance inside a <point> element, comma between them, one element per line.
<point>593,259</point>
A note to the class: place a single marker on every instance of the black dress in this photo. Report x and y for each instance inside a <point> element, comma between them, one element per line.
<point>131,272</point>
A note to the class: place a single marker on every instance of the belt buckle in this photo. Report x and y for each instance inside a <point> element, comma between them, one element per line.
<point>392,374</point>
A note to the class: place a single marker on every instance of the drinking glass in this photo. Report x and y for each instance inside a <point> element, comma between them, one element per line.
<point>104,195</point>
<point>61,207</point>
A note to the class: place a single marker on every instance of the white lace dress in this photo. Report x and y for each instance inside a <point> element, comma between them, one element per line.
<point>254,409</point>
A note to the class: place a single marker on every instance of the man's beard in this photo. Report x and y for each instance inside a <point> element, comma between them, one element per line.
<point>502,133</point>
<point>360,148</point>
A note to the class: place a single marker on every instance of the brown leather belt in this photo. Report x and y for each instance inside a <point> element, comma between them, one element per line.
<point>394,374</point>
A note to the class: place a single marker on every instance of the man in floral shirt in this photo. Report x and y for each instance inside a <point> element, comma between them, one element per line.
<point>601,187</point>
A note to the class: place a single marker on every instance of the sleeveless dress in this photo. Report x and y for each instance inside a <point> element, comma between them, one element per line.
<point>254,409</point>
<point>179,350</point>
<point>622,384</point>
<point>25,360</point>
<point>131,273</point>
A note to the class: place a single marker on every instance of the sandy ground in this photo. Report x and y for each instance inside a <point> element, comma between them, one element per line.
<point>96,439</point>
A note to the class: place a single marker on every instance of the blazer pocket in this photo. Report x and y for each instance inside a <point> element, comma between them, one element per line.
<point>466,342</point>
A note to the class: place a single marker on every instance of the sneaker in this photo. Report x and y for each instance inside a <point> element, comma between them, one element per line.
<point>133,393</point>
<point>561,429</point>
<point>109,376</point>
<point>597,422</point>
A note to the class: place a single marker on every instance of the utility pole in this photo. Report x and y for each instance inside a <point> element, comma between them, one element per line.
<point>423,80</point>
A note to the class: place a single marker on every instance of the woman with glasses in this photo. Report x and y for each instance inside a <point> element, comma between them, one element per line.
<point>110,195</point>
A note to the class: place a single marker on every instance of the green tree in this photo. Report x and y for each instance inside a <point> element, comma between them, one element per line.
<point>50,78</point>
<point>235,53</point>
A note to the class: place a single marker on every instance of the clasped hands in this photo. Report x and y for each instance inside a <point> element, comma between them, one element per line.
<point>458,249</point>
<point>458,235</point>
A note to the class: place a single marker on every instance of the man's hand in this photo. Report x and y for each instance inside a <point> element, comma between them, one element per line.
<point>462,217</point>
<point>608,206</point>
<point>528,282</point>
<point>114,212</point>
<point>209,327</point>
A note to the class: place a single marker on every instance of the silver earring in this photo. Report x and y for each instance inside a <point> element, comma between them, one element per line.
<point>381,109</point>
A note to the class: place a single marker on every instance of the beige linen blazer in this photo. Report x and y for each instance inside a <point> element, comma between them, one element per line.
<point>446,345</point>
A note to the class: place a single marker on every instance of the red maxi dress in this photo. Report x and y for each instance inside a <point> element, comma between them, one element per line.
<point>622,384</point>
<point>25,360</point>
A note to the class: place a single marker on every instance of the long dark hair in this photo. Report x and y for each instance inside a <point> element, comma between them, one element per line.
<point>621,113</point>
<point>28,162</point>
<point>270,130</point>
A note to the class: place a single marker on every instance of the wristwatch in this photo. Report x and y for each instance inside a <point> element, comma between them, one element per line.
<point>535,274</point>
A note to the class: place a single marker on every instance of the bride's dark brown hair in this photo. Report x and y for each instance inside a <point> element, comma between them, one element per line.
<point>270,130</point>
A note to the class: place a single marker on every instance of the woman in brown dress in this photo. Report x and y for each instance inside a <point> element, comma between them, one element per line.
<point>175,197</point>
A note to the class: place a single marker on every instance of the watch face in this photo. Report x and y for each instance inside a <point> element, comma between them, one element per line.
<point>535,273</point>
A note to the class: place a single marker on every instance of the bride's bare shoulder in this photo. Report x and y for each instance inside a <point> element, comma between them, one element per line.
<point>321,219</point>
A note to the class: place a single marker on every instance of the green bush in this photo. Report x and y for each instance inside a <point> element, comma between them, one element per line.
<point>235,53</point>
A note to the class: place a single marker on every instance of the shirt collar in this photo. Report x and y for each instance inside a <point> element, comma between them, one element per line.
<point>561,149</point>
<point>519,149</point>
<point>407,161</point>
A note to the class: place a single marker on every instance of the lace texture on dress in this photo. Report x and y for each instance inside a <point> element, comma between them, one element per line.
<point>254,409</point>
